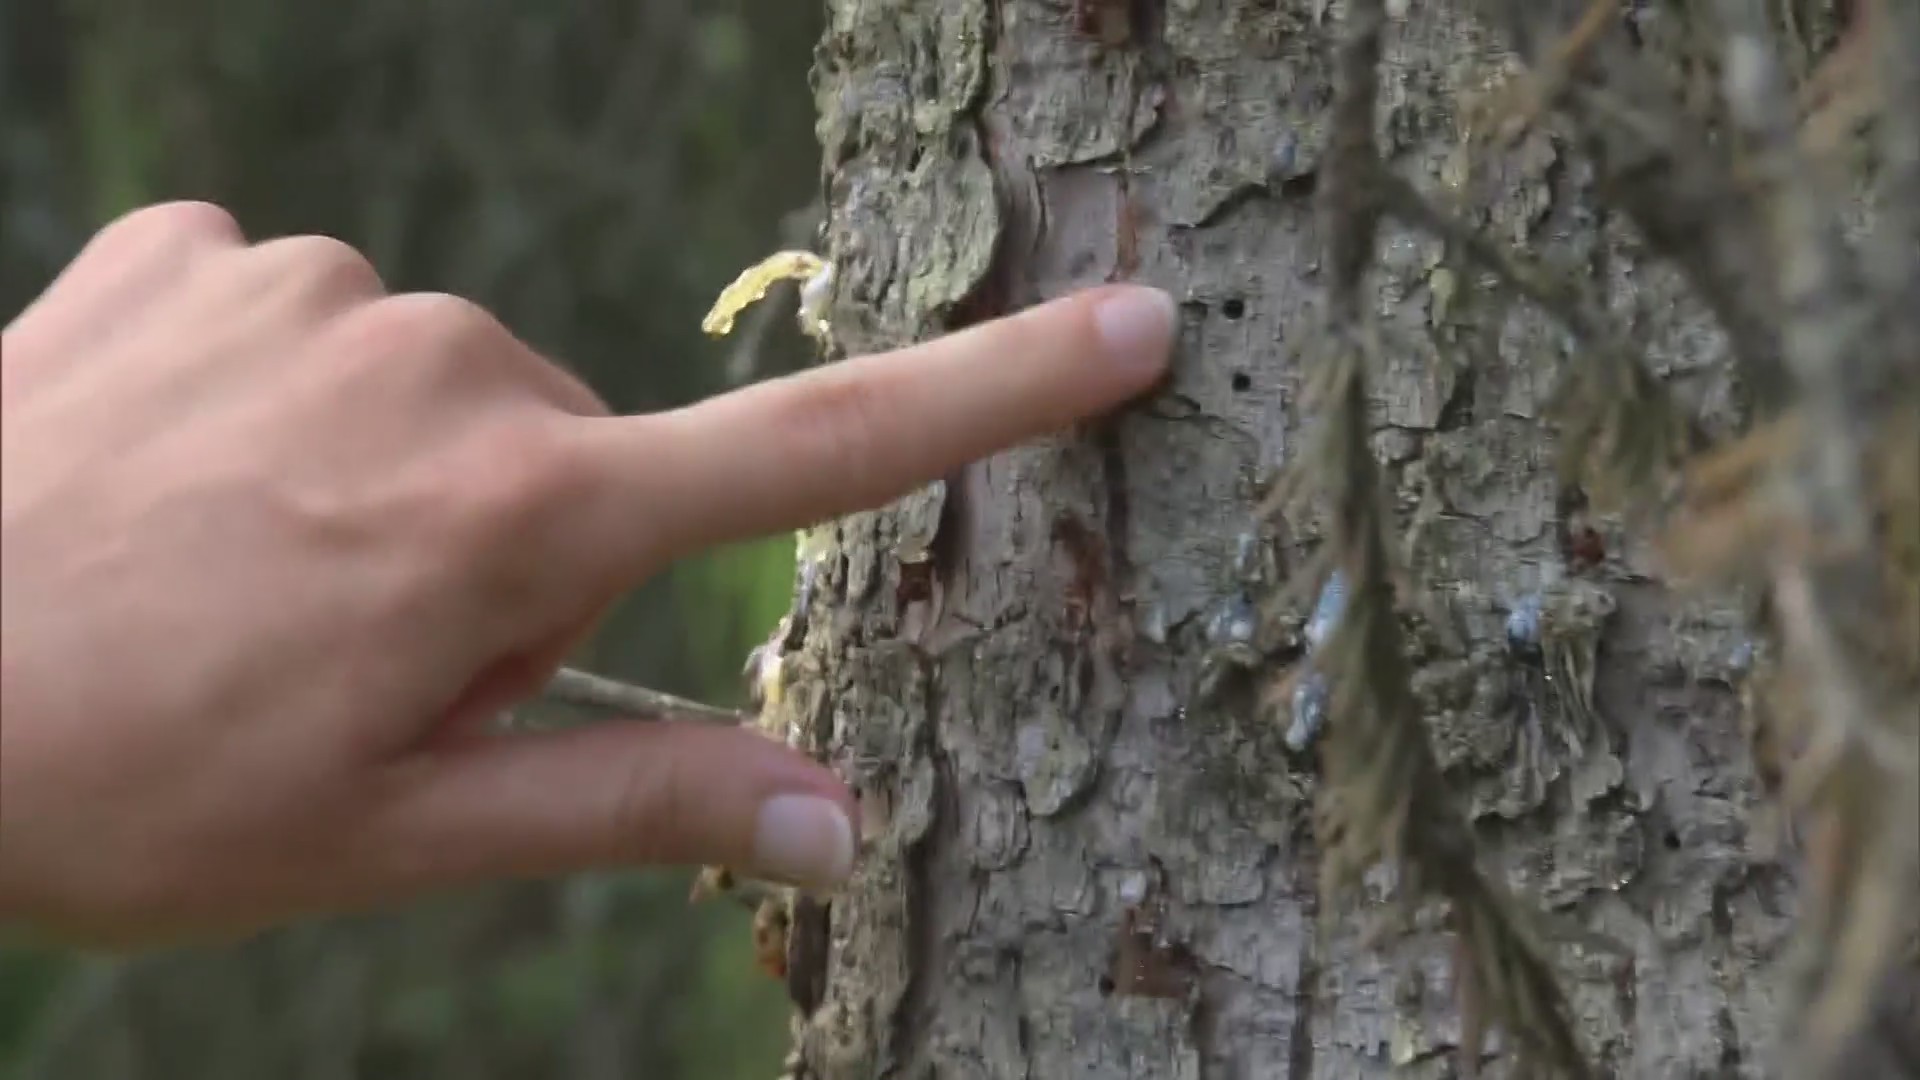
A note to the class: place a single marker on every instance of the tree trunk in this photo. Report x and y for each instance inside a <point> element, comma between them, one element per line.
<point>1063,680</point>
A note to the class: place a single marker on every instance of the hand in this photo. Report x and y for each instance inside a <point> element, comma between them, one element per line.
<point>274,542</point>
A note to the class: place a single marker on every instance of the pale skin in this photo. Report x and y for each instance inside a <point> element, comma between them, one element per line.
<point>275,544</point>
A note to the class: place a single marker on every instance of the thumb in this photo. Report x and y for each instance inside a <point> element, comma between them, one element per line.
<point>547,804</point>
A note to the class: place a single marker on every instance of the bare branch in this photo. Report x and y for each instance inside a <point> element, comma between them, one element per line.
<point>581,690</point>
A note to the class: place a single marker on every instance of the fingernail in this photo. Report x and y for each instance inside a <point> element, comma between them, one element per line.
<point>1136,326</point>
<point>803,840</point>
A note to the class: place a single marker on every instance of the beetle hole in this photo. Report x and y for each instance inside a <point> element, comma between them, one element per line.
<point>1105,985</point>
<point>1672,840</point>
<point>1242,382</point>
<point>1233,307</point>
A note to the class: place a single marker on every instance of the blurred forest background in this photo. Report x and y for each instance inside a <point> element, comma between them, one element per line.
<point>592,170</point>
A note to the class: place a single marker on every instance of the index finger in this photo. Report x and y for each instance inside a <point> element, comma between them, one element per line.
<point>852,435</point>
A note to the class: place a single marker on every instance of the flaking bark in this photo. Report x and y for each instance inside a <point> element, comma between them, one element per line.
<point>1090,851</point>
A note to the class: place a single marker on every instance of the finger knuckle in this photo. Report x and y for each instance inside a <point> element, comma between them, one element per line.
<point>179,218</point>
<point>185,216</point>
<point>437,324</point>
<point>149,231</point>
<point>449,339</point>
<point>332,264</point>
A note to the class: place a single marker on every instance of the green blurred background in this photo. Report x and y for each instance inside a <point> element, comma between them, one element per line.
<point>592,170</point>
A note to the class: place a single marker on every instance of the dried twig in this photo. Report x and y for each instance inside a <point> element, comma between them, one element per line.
<point>581,690</point>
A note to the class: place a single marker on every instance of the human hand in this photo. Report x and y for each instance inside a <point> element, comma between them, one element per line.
<point>275,542</point>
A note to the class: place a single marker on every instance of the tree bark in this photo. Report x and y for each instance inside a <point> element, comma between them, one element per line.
<point>1089,848</point>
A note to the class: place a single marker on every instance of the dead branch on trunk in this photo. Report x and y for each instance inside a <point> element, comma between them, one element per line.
<point>602,696</point>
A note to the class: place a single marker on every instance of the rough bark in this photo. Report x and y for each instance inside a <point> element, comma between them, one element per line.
<point>1089,852</point>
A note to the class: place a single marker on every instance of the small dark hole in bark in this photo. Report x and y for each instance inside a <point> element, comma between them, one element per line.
<point>1106,985</point>
<point>1234,307</point>
<point>1299,187</point>
<point>1672,840</point>
<point>1242,382</point>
